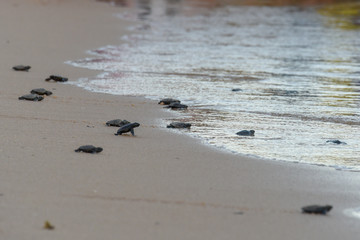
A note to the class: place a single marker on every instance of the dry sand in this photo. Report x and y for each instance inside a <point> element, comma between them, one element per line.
<point>157,185</point>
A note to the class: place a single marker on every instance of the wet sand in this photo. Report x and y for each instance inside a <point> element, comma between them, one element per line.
<point>156,185</point>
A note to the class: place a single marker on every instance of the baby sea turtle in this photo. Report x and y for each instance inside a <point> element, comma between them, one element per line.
<point>246,133</point>
<point>176,105</point>
<point>127,128</point>
<point>31,97</point>
<point>167,101</point>
<point>335,141</point>
<point>56,78</point>
<point>117,123</point>
<point>41,91</point>
<point>179,125</point>
<point>236,89</point>
<point>21,68</point>
<point>89,149</point>
<point>317,209</point>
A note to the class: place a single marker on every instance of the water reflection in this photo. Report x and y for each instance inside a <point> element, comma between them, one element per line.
<point>343,15</point>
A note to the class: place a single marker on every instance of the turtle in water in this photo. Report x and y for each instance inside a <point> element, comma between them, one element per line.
<point>41,91</point>
<point>21,68</point>
<point>167,101</point>
<point>179,125</point>
<point>317,209</point>
<point>117,123</point>
<point>335,141</point>
<point>246,133</point>
<point>56,78</point>
<point>89,149</point>
<point>127,128</point>
<point>31,97</point>
<point>176,105</point>
<point>236,89</point>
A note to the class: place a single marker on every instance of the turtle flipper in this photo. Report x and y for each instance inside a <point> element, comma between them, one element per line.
<point>132,132</point>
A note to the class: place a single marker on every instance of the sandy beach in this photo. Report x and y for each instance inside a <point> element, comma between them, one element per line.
<point>156,185</point>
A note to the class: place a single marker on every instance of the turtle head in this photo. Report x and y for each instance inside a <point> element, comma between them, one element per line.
<point>98,149</point>
<point>135,124</point>
<point>328,208</point>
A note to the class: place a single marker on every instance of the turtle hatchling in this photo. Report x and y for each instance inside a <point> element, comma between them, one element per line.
<point>41,91</point>
<point>246,133</point>
<point>167,101</point>
<point>89,149</point>
<point>21,68</point>
<point>117,123</point>
<point>176,105</point>
<point>31,97</point>
<point>335,141</point>
<point>317,209</point>
<point>179,125</point>
<point>127,128</point>
<point>56,78</point>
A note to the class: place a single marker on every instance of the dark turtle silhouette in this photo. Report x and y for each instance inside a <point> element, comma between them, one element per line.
<point>21,68</point>
<point>176,105</point>
<point>31,97</point>
<point>246,133</point>
<point>167,101</point>
<point>127,128</point>
<point>117,123</point>
<point>335,141</point>
<point>317,209</point>
<point>179,125</point>
<point>56,78</point>
<point>41,91</point>
<point>89,149</point>
<point>236,89</point>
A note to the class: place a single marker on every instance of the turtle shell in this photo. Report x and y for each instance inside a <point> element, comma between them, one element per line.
<point>31,97</point>
<point>89,149</point>
<point>56,78</point>
<point>21,68</point>
<point>127,128</point>
<point>246,133</point>
<point>179,125</point>
<point>316,209</point>
<point>335,141</point>
<point>167,101</point>
<point>41,91</point>
<point>117,123</point>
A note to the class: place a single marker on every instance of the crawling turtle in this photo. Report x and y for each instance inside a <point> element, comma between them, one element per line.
<point>117,123</point>
<point>176,105</point>
<point>41,91</point>
<point>127,128</point>
<point>56,78</point>
<point>246,133</point>
<point>21,68</point>
<point>167,101</point>
<point>335,141</point>
<point>317,209</point>
<point>179,125</point>
<point>31,97</point>
<point>89,149</point>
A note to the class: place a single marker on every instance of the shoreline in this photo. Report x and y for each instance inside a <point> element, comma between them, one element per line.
<point>157,185</point>
<point>285,130</point>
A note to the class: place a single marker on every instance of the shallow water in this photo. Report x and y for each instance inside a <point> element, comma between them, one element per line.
<point>296,69</point>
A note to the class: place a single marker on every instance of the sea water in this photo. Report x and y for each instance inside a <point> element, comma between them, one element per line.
<point>291,73</point>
